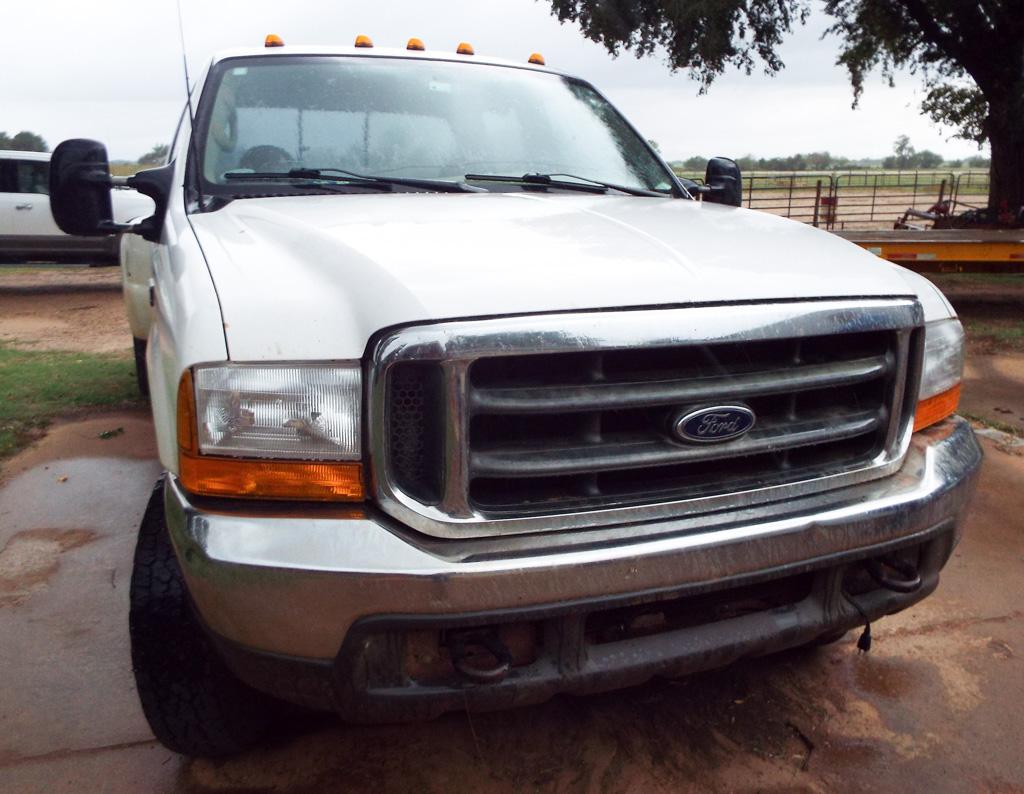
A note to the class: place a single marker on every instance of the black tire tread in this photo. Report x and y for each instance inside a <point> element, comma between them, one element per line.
<point>192,701</point>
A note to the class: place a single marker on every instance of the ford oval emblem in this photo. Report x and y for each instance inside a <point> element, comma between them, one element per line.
<point>714,424</point>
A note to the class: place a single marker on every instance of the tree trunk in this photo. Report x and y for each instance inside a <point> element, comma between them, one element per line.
<point>1006,135</point>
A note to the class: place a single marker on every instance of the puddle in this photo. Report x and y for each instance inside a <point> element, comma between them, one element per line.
<point>31,558</point>
<point>888,678</point>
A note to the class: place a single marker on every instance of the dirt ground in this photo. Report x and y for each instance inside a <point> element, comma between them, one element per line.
<point>994,390</point>
<point>71,308</point>
<point>934,706</point>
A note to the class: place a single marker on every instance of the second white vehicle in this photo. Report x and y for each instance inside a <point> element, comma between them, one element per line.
<point>28,232</point>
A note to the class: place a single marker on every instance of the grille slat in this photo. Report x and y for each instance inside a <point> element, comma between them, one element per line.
<point>579,459</point>
<point>596,396</point>
<point>530,424</point>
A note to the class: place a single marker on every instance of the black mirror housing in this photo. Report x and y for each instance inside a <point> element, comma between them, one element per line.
<point>724,182</point>
<point>80,188</point>
<point>155,183</point>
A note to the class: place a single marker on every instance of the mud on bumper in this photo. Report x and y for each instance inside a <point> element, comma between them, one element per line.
<point>577,621</point>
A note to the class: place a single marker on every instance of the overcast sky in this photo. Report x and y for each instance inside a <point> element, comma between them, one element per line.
<point>111,70</point>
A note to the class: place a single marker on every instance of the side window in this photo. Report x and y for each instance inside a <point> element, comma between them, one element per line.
<point>32,176</point>
<point>8,183</point>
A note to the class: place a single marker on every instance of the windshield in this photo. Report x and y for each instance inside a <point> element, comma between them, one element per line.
<point>422,119</point>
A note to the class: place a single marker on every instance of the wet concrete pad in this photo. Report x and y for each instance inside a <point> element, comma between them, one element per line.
<point>67,534</point>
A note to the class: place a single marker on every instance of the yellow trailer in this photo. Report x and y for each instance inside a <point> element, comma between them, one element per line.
<point>946,249</point>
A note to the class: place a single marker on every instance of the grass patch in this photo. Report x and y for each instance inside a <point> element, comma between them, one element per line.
<point>994,335</point>
<point>995,424</point>
<point>28,270</point>
<point>36,386</point>
<point>976,279</point>
<point>1004,330</point>
<point>127,169</point>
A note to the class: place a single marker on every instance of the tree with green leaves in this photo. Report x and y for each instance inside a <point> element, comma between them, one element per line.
<point>969,54</point>
<point>23,141</point>
<point>903,153</point>
<point>155,156</point>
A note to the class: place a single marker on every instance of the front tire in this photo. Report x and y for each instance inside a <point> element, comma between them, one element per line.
<point>192,701</point>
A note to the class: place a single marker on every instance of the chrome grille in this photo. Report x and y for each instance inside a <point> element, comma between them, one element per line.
<point>562,421</point>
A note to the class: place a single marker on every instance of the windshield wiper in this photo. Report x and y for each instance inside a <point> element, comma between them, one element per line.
<point>338,175</point>
<point>585,184</point>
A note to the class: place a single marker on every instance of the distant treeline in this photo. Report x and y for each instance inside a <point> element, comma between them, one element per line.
<point>23,141</point>
<point>823,161</point>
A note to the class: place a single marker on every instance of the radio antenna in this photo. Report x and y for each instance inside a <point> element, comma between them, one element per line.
<point>191,114</point>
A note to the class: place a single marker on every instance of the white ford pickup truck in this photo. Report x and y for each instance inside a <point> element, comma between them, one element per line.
<point>465,400</point>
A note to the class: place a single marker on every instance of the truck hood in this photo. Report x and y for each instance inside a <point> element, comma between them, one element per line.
<point>313,277</point>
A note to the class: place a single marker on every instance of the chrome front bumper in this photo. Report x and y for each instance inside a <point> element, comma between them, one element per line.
<point>293,583</point>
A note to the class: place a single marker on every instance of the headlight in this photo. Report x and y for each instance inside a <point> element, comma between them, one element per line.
<point>271,431</point>
<point>304,413</point>
<point>941,372</point>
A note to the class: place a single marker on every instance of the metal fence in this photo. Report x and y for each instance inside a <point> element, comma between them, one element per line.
<point>864,199</point>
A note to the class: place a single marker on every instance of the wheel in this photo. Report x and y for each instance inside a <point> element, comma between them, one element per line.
<point>141,375</point>
<point>192,701</point>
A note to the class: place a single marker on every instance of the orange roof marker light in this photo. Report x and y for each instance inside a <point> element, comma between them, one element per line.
<point>364,41</point>
<point>538,59</point>
<point>273,40</point>
<point>465,49</point>
<point>415,44</point>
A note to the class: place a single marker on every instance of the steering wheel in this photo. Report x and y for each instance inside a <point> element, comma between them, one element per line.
<point>266,158</point>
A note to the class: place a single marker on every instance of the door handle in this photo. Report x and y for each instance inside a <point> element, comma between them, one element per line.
<point>23,206</point>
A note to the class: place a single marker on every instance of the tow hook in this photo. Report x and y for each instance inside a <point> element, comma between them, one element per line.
<point>879,569</point>
<point>464,648</point>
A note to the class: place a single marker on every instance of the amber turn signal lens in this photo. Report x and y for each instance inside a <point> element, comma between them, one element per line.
<point>537,59</point>
<point>187,414</point>
<point>935,409</point>
<point>271,479</point>
<point>363,41</point>
<point>273,40</point>
<point>465,49</point>
<point>415,44</point>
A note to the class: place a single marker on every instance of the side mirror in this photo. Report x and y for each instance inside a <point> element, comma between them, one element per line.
<point>80,184</point>
<point>723,182</point>
<point>155,183</point>
<point>80,188</point>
